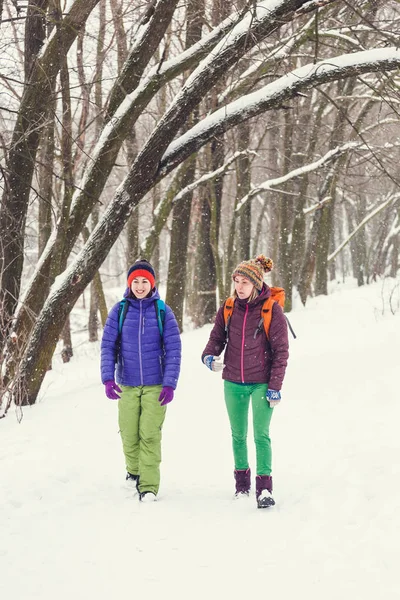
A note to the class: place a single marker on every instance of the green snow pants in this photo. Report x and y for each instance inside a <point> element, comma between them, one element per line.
<point>140,418</point>
<point>237,400</point>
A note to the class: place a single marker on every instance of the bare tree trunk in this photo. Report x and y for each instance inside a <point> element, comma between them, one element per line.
<point>96,288</point>
<point>181,212</point>
<point>120,33</point>
<point>132,227</point>
<point>380,246</point>
<point>273,205</point>
<point>243,180</point>
<point>307,271</point>
<point>96,291</point>
<point>178,251</point>
<point>35,33</point>
<point>67,351</point>
<point>298,245</point>
<point>155,256</point>
<point>204,304</point>
<point>45,178</point>
<point>322,251</point>
<point>286,215</point>
<point>208,266</point>
<point>100,299</point>
<point>358,246</point>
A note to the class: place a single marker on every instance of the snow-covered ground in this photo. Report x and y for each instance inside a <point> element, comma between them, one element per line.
<point>70,529</point>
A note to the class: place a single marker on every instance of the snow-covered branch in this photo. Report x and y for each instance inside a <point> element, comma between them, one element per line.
<point>373,214</point>
<point>273,183</point>
<point>210,176</point>
<point>312,5</point>
<point>255,71</point>
<point>318,205</point>
<point>274,94</point>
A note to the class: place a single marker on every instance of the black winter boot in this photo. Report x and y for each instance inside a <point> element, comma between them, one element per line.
<point>133,481</point>
<point>242,479</point>
<point>264,491</point>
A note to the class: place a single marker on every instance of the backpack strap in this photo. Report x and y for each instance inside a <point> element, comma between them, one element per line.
<point>160,312</point>
<point>228,310</point>
<point>266,316</point>
<point>290,327</point>
<point>122,310</point>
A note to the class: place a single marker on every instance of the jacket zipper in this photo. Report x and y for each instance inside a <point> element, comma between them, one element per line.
<point>140,342</point>
<point>242,353</point>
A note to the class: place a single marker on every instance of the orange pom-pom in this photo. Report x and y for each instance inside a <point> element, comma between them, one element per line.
<point>266,263</point>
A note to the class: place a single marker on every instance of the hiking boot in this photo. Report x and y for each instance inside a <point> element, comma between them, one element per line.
<point>243,481</point>
<point>264,491</point>
<point>133,481</point>
<point>147,497</point>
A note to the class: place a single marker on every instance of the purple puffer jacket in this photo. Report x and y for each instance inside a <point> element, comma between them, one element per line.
<point>250,359</point>
<point>141,361</point>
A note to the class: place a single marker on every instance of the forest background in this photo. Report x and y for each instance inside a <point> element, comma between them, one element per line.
<point>195,134</point>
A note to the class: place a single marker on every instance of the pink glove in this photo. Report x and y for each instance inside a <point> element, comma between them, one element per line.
<point>111,390</point>
<point>166,395</point>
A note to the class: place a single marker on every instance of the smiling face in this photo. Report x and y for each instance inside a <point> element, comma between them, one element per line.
<point>243,287</point>
<point>140,287</point>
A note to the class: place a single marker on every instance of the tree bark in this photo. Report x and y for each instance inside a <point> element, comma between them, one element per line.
<point>45,182</point>
<point>243,180</point>
<point>286,215</point>
<point>177,271</point>
<point>21,158</point>
<point>309,262</point>
<point>35,33</point>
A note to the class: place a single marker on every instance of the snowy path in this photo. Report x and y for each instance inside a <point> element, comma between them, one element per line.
<point>70,529</point>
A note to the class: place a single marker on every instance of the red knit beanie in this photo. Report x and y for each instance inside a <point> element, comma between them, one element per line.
<point>142,268</point>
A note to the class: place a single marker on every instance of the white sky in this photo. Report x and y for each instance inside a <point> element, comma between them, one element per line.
<point>70,529</point>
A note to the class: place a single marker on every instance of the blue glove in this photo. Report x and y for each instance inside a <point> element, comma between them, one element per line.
<point>213,363</point>
<point>273,395</point>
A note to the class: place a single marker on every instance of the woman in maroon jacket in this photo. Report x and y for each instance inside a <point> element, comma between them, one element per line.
<point>254,368</point>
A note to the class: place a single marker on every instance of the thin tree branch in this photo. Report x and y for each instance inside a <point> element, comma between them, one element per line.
<point>373,214</point>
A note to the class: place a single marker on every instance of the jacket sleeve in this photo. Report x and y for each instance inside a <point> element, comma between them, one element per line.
<point>278,338</point>
<point>109,345</point>
<point>173,349</point>
<point>217,340</point>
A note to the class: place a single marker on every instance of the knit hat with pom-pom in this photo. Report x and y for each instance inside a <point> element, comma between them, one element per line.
<point>254,270</point>
<point>141,268</point>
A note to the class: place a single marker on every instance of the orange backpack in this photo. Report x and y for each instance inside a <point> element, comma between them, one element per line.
<point>277,295</point>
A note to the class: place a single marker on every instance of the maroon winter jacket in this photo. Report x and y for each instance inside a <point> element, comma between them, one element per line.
<point>250,359</point>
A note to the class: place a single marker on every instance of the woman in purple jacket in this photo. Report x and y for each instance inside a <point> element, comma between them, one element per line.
<point>145,348</point>
<point>254,368</point>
